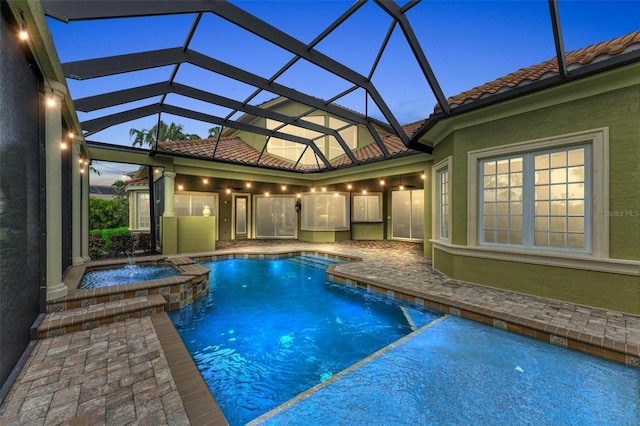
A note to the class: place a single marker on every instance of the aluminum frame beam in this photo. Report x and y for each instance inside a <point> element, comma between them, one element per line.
<point>97,124</point>
<point>397,14</point>
<point>557,38</point>
<point>110,99</point>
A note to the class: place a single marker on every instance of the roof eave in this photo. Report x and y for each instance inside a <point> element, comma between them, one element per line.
<point>587,70</point>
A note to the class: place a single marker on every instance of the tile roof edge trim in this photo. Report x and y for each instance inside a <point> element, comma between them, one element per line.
<point>625,65</point>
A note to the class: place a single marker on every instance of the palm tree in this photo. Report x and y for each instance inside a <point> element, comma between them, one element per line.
<point>214,132</point>
<point>171,132</point>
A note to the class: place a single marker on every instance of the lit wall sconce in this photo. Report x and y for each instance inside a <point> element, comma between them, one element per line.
<point>23,34</point>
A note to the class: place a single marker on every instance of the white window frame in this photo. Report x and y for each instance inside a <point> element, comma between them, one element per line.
<point>306,203</point>
<point>436,198</point>
<point>598,230</point>
<point>256,213</point>
<point>139,211</point>
<point>371,195</point>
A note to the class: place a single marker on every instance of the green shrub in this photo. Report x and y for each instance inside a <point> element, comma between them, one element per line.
<point>108,234</point>
<point>97,247</point>
<point>143,241</point>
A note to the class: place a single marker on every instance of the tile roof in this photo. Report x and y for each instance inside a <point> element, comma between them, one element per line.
<point>235,150</point>
<point>574,59</point>
<point>232,149</point>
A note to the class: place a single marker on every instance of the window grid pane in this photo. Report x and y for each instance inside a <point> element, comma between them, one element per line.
<point>144,220</point>
<point>559,213</point>
<point>443,214</point>
<point>502,201</point>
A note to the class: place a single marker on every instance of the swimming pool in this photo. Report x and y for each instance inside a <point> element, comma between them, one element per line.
<point>271,329</point>
<point>125,275</point>
<point>452,371</point>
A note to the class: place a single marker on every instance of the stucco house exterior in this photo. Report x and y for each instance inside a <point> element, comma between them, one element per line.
<point>531,183</point>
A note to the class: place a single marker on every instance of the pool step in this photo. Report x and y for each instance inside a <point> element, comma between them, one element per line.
<point>94,315</point>
<point>314,262</point>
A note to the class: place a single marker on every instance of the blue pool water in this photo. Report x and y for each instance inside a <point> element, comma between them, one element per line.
<point>257,345</point>
<point>459,372</point>
<point>126,275</point>
<point>271,329</point>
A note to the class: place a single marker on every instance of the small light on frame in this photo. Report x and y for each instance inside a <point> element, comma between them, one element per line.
<point>205,181</point>
<point>82,169</point>
<point>71,135</point>
<point>248,184</point>
<point>284,187</point>
<point>81,160</point>
<point>401,187</point>
<point>266,194</point>
<point>382,182</point>
<point>51,102</point>
<point>23,34</point>
<point>364,191</point>
<point>423,176</point>
<point>299,195</point>
<point>157,170</point>
<point>349,187</point>
<point>335,194</point>
<point>180,187</point>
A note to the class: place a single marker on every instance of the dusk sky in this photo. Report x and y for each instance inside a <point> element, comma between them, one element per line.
<point>467,43</point>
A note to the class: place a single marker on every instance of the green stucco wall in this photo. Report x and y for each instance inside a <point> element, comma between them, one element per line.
<point>367,231</point>
<point>619,110</point>
<point>196,234</point>
<point>188,234</point>
<point>324,236</point>
<point>604,290</point>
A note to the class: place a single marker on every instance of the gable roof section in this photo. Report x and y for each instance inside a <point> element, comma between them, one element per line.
<point>235,150</point>
<point>228,149</point>
<point>575,59</point>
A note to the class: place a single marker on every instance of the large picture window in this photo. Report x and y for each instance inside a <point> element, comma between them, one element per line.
<point>367,207</point>
<point>325,212</point>
<point>554,181</point>
<point>192,204</point>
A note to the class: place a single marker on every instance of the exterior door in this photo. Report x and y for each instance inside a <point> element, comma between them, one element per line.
<point>240,217</point>
<point>407,214</point>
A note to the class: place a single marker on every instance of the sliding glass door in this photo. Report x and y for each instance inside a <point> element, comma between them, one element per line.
<point>407,214</point>
<point>275,216</point>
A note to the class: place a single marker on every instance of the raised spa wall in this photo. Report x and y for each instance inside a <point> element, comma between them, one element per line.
<point>85,309</point>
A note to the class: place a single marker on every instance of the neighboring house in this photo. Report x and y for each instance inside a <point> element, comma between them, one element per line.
<point>104,192</point>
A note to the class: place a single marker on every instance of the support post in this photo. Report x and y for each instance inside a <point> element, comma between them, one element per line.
<point>53,139</point>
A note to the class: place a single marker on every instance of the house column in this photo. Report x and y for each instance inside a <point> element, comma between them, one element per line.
<point>76,208</point>
<point>53,192</point>
<point>169,185</point>
<point>84,177</point>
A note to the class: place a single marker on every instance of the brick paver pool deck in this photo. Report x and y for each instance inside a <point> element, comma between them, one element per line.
<point>137,372</point>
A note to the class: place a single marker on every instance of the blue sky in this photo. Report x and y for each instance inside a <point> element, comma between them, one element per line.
<point>467,44</point>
